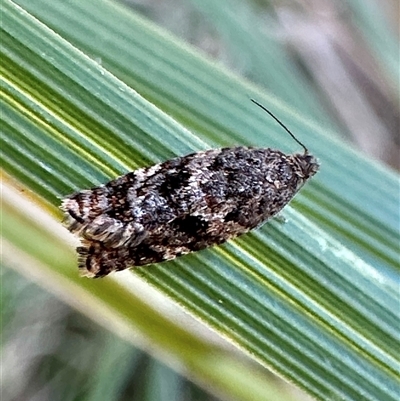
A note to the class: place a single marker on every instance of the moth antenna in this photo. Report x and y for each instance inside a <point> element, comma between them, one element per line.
<point>281,124</point>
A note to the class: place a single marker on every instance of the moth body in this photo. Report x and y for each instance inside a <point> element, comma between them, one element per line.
<point>182,205</point>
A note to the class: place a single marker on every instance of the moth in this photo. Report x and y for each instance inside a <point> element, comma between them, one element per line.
<point>183,205</point>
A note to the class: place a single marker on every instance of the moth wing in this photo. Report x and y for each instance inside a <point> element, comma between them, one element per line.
<point>96,260</point>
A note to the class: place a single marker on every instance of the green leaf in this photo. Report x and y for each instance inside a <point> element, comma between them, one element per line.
<point>241,24</point>
<point>314,298</point>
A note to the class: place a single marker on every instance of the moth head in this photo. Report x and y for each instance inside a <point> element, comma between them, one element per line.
<point>304,167</point>
<point>307,165</point>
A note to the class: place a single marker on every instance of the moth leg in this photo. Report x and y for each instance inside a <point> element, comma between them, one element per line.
<point>280,218</point>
